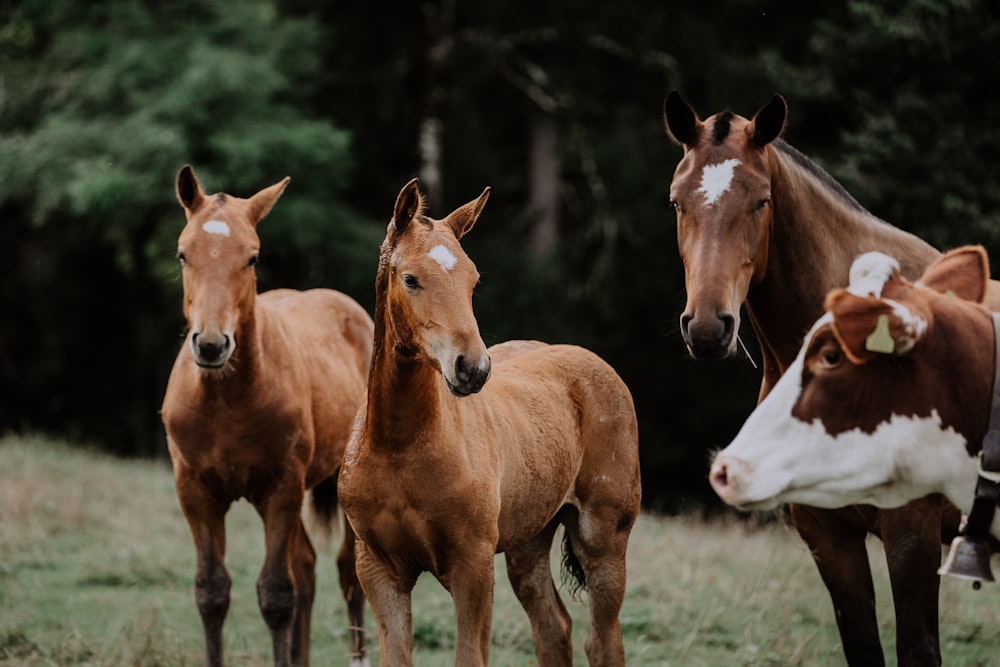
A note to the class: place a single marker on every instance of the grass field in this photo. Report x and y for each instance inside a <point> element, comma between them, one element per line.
<point>97,565</point>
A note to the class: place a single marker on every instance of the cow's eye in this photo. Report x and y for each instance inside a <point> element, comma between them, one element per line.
<point>831,357</point>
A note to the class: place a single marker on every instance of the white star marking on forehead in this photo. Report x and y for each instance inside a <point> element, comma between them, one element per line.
<point>443,256</point>
<point>216,227</point>
<point>716,178</point>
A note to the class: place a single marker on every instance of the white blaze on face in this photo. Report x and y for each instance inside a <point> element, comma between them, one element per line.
<point>716,179</point>
<point>443,256</point>
<point>216,227</point>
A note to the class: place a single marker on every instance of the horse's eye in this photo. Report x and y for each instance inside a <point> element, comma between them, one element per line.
<point>762,203</point>
<point>181,258</point>
<point>674,205</point>
<point>410,281</point>
<point>254,258</point>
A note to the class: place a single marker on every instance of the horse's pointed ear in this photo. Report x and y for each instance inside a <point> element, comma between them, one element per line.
<point>964,272</point>
<point>263,201</point>
<point>189,192</point>
<point>769,121</point>
<point>680,120</point>
<point>464,217</point>
<point>409,202</point>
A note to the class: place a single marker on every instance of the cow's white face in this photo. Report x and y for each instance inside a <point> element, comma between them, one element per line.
<point>780,457</point>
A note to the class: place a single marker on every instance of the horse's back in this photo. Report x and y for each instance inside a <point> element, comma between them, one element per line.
<point>577,421</point>
<point>329,320</point>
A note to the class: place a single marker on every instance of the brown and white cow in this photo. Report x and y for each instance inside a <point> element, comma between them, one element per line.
<point>887,401</point>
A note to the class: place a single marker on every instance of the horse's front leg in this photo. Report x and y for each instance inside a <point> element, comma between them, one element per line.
<point>206,516</point>
<point>389,593</point>
<point>353,595</point>
<point>470,581</point>
<point>838,548</point>
<point>912,538</point>
<point>281,600</point>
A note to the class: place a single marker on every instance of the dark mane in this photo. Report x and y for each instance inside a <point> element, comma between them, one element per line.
<point>720,130</point>
<point>801,160</point>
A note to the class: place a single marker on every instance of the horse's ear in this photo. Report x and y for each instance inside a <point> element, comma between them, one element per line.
<point>262,202</point>
<point>464,217</point>
<point>681,121</point>
<point>965,272</point>
<point>189,192</point>
<point>408,204</point>
<point>769,121</point>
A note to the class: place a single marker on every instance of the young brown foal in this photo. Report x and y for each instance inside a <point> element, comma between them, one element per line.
<point>445,469</point>
<point>259,405</point>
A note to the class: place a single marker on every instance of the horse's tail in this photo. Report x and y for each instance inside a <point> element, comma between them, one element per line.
<point>323,506</point>
<point>573,576</point>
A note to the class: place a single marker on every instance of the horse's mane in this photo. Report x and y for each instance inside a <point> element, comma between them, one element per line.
<point>829,181</point>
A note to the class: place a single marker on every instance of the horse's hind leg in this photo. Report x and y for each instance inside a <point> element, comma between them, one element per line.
<point>598,539</point>
<point>353,596</point>
<point>531,577</point>
<point>304,565</point>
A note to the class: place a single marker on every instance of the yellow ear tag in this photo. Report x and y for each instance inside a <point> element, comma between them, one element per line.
<point>880,340</point>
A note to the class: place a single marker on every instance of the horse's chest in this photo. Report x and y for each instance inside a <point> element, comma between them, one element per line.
<point>240,457</point>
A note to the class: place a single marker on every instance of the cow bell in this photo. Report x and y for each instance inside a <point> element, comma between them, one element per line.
<point>968,558</point>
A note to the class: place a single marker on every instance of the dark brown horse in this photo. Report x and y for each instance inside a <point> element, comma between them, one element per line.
<point>760,225</point>
<point>259,405</point>
<point>462,452</point>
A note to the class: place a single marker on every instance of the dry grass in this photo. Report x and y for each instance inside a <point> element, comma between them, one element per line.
<point>96,568</point>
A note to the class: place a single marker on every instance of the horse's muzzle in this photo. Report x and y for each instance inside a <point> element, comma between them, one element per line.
<point>211,351</point>
<point>468,378</point>
<point>709,338</point>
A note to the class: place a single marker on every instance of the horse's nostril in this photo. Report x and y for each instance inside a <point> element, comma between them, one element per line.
<point>686,321</point>
<point>461,370</point>
<point>728,321</point>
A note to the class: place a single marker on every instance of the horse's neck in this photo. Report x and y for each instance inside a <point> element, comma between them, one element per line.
<point>403,398</point>
<point>816,234</point>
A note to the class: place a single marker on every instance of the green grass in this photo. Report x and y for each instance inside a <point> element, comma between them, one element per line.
<point>97,565</point>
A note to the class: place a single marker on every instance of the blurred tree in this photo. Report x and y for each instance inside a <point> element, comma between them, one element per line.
<point>103,102</point>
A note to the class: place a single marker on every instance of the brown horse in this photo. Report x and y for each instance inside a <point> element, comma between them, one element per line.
<point>759,223</point>
<point>445,469</point>
<point>259,405</point>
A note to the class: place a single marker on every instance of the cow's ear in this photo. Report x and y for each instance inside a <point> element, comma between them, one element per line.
<point>964,272</point>
<point>867,326</point>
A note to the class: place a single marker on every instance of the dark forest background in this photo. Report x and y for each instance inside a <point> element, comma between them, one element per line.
<point>555,105</point>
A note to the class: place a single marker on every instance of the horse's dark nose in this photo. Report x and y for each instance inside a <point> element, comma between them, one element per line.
<point>469,378</point>
<point>210,350</point>
<point>709,337</point>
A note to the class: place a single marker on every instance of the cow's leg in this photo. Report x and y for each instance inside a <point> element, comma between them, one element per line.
<point>276,589</point>
<point>353,595</point>
<point>912,538</point>
<point>206,516</point>
<point>531,577</point>
<point>837,544</point>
